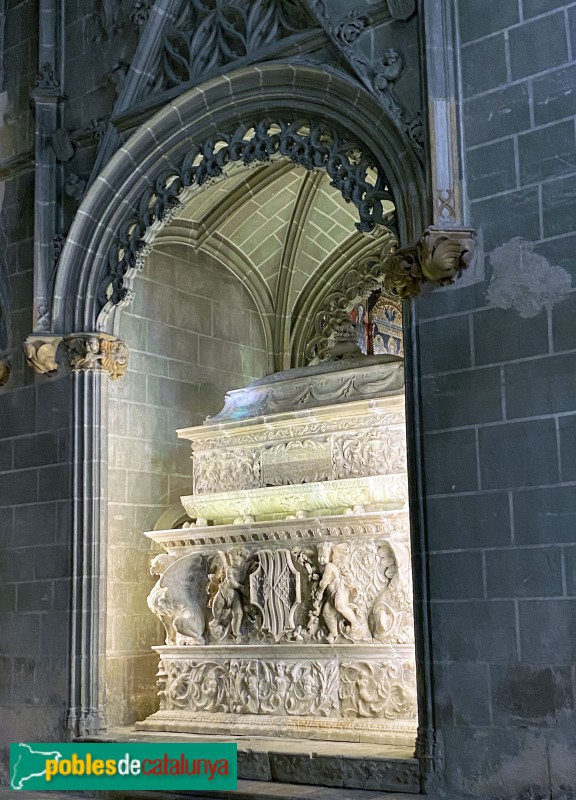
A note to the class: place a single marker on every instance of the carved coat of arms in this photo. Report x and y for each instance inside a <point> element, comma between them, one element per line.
<point>275,590</point>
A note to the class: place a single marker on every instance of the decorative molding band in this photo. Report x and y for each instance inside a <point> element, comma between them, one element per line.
<point>83,352</point>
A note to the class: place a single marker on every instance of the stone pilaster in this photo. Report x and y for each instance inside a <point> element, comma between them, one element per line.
<point>86,715</point>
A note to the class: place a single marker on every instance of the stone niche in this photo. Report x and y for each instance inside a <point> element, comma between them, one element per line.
<point>287,604</point>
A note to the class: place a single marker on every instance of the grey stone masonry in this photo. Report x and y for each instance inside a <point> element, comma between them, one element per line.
<point>35,560</point>
<point>499,419</point>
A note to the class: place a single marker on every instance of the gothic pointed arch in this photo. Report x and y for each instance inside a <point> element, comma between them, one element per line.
<point>299,112</point>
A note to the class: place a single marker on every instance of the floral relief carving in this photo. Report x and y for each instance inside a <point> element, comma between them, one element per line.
<point>369,453</point>
<point>302,688</point>
<point>219,472</point>
<point>250,686</point>
<point>368,689</point>
<point>197,686</point>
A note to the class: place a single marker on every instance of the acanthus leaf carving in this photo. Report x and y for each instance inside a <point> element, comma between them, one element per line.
<point>369,453</point>
<point>387,691</point>
<point>249,686</point>
<point>226,470</point>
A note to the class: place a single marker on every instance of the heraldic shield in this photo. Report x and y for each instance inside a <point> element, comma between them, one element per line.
<point>275,590</point>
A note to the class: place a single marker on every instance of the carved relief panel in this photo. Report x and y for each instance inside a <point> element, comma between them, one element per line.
<point>349,591</point>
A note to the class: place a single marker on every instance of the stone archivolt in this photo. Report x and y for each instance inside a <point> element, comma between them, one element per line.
<point>288,606</point>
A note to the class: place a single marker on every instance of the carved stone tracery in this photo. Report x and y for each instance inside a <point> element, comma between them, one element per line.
<point>353,171</point>
<point>209,34</point>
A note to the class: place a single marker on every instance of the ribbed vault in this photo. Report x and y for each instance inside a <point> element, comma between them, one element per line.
<point>285,232</point>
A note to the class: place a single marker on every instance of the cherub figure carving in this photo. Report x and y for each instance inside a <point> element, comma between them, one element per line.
<point>336,595</point>
<point>172,601</point>
<point>226,594</point>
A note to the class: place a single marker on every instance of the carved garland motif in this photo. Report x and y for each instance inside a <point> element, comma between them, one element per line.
<point>352,169</point>
<point>352,455</point>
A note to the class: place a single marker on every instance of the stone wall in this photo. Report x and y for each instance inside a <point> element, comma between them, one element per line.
<point>499,414</point>
<point>35,532</point>
<point>194,332</point>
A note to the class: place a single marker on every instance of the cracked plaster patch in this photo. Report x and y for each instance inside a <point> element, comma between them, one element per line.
<point>524,280</point>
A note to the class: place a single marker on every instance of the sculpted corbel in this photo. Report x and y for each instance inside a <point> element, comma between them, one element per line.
<point>40,353</point>
<point>82,351</point>
<point>439,256</point>
<point>97,351</point>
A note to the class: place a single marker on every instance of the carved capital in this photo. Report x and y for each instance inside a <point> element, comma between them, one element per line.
<point>5,370</point>
<point>40,353</point>
<point>439,256</point>
<point>97,351</point>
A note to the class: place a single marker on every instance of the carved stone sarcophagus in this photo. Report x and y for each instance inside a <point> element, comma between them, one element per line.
<point>287,602</point>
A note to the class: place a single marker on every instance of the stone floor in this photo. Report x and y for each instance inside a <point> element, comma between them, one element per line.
<point>324,760</point>
<point>340,766</point>
<point>247,790</point>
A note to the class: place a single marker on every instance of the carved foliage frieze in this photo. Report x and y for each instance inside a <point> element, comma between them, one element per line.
<point>369,453</point>
<point>303,688</point>
<point>250,686</point>
<point>368,689</point>
<point>353,454</point>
